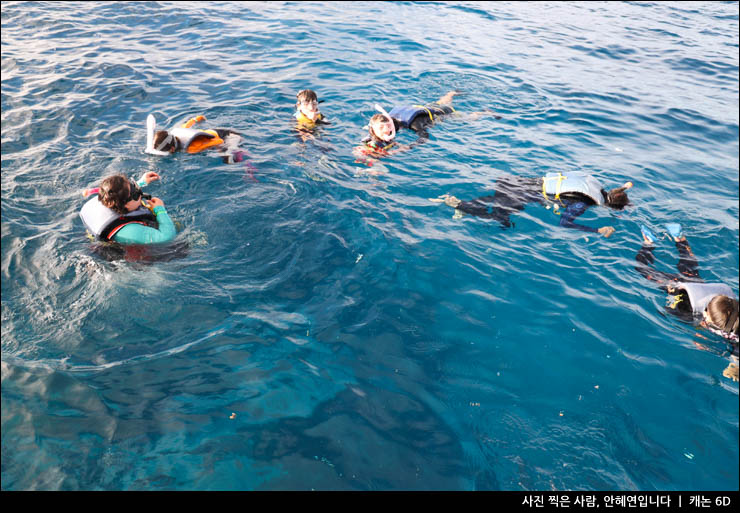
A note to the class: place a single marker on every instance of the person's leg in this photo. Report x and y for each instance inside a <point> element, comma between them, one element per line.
<point>646,259</point>
<point>447,98</point>
<point>687,263</point>
<point>511,195</point>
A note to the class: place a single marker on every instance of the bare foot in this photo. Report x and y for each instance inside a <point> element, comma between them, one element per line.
<point>447,98</point>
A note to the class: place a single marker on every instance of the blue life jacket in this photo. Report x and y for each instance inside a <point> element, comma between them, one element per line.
<point>406,115</point>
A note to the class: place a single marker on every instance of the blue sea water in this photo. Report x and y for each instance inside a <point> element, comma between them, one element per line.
<point>331,328</point>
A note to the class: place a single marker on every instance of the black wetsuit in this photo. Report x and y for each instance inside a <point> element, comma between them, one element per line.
<point>513,194</point>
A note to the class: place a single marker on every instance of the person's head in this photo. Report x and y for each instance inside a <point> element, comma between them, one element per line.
<point>721,315</point>
<point>308,104</point>
<point>164,141</point>
<point>120,194</point>
<point>382,127</point>
<point>617,198</point>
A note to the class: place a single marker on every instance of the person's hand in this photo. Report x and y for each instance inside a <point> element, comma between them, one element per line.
<point>450,201</point>
<point>155,202</point>
<point>606,231</point>
<point>149,177</point>
<point>401,147</point>
<point>731,372</point>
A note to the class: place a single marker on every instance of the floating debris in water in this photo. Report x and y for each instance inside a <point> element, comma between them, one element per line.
<point>290,184</point>
<point>232,416</point>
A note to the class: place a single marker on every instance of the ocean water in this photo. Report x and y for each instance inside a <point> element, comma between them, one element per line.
<point>329,327</point>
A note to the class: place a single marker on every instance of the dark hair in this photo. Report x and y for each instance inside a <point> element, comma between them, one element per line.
<point>160,136</point>
<point>723,314</point>
<point>307,95</point>
<point>617,198</point>
<point>379,118</point>
<point>115,193</point>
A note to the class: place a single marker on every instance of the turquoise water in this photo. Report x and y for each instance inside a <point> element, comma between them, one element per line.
<point>332,329</point>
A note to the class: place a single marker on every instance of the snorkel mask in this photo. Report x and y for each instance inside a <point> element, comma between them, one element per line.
<point>151,126</point>
<point>392,134</point>
<point>310,110</point>
<point>135,192</point>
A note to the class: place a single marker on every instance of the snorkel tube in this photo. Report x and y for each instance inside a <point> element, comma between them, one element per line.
<point>151,125</point>
<point>392,135</point>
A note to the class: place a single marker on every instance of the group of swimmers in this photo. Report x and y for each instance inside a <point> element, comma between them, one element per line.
<point>121,213</point>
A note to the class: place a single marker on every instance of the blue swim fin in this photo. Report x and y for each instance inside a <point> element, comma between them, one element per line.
<point>647,234</point>
<point>674,230</point>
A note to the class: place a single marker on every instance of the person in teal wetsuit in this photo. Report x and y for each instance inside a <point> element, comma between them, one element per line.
<point>118,213</point>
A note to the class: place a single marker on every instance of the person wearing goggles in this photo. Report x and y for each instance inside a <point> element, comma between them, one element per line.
<point>383,127</point>
<point>307,111</point>
<point>711,305</point>
<point>307,114</point>
<point>568,194</point>
<point>118,213</point>
<point>192,140</point>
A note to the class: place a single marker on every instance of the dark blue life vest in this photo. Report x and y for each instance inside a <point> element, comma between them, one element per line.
<point>408,114</point>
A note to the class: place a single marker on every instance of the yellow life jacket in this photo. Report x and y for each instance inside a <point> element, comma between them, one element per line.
<point>306,122</point>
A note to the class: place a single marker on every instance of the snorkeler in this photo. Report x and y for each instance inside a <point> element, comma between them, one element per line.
<point>713,306</point>
<point>119,213</point>
<point>382,127</point>
<point>192,140</point>
<point>570,194</point>
<point>307,112</point>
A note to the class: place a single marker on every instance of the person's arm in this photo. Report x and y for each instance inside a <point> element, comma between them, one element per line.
<point>573,209</point>
<point>135,233</point>
<point>190,122</point>
<point>419,127</point>
<point>477,207</point>
<point>147,178</point>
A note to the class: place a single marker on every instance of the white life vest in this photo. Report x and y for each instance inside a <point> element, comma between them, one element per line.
<point>700,294</point>
<point>103,222</point>
<point>185,136</point>
<point>557,184</point>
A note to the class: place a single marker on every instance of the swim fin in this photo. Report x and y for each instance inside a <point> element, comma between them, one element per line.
<point>648,235</point>
<point>674,230</point>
